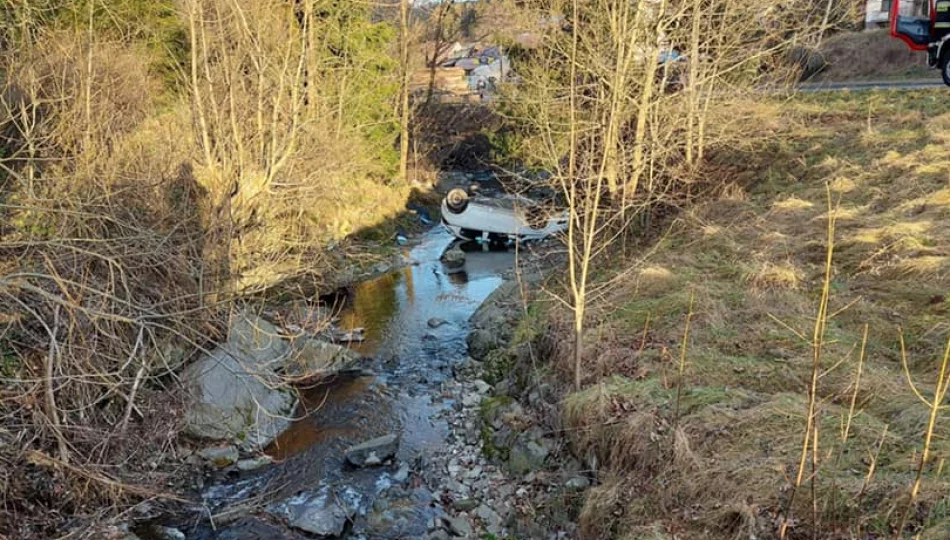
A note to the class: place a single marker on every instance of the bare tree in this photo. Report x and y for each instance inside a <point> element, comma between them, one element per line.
<point>404,39</point>
<point>617,109</point>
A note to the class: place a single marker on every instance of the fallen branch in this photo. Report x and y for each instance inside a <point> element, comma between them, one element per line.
<point>40,459</point>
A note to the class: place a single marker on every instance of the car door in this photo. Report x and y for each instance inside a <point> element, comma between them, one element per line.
<point>911,21</point>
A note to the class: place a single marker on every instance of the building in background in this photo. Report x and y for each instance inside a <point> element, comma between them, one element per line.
<point>466,69</point>
<point>877,12</point>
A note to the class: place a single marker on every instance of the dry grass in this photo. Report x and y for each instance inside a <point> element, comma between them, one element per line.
<point>792,204</point>
<point>120,258</point>
<point>782,275</point>
<point>870,55</point>
<point>756,268</point>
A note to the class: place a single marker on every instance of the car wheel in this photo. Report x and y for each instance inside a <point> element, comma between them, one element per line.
<point>945,68</point>
<point>456,201</point>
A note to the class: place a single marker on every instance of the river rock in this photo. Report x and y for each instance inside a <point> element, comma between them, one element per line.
<point>121,533</point>
<point>313,358</point>
<point>254,528</point>
<point>436,322</point>
<point>456,487</point>
<point>234,391</point>
<point>578,483</point>
<point>471,400</point>
<point>374,451</point>
<point>402,474</point>
<point>166,533</point>
<point>453,259</point>
<point>490,519</point>
<point>465,505</point>
<point>251,464</point>
<point>323,517</point>
<point>219,456</point>
<point>526,455</point>
<point>480,343</point>
<point>459,526</point>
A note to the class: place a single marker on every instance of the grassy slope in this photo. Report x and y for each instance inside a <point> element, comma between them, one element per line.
<point>754,258</point>
<point>871,55</point>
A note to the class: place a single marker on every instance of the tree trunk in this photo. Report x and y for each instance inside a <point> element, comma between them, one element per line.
<point>578,344</point>
<point>692,91</point>
<point>404,97</point>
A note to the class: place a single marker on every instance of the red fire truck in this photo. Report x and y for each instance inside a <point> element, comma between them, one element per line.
<point>924,25</point>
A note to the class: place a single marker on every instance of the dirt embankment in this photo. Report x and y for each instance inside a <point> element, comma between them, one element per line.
<point>871,55</point>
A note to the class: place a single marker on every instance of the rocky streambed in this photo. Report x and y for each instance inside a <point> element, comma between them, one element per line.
<point>411,437</point>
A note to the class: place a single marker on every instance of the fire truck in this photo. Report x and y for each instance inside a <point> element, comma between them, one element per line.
<point>924,25</point>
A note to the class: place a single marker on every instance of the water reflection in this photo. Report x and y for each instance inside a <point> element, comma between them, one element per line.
<point>330,409</point>
<point>370,306</point>
<point>408,273</point>
<point>411,361</point>
<point>394,309</point>
<point>458,278</point>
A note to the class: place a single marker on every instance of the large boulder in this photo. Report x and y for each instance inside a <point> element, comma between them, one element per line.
<point>493,322</point>
<point>235,392</point>
<point>312,358</point>
<point>232,402</point>
<point>257,342</point>
<point>239,391</point>
<point>480,343</point>
<point>497,308</point>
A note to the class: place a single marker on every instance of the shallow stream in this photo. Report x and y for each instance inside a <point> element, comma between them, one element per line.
<point>416,323</point>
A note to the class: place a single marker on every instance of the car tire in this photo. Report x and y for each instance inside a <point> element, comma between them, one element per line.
<point>945,68</point>
<point>456,201</point>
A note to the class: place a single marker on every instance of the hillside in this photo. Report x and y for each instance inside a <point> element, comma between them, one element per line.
<point>871,55</point>
<point>747,272</point>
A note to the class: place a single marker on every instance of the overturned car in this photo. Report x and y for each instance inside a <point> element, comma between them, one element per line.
<point>499,220</point>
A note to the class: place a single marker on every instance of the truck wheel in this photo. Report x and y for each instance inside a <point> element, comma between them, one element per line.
<point>456,201</point>
<point>945,68</point>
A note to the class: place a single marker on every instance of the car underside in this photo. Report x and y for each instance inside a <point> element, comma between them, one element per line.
<point>498,220</point>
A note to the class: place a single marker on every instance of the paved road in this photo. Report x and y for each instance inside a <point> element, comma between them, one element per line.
<point>915,84</point>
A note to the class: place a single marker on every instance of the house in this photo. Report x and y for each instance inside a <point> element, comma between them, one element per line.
<point>466,69</point>
<point>483,67</point>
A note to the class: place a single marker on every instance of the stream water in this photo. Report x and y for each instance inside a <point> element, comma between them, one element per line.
<point>412,363</point>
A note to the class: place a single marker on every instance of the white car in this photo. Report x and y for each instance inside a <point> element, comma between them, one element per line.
<point>500,219</point>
